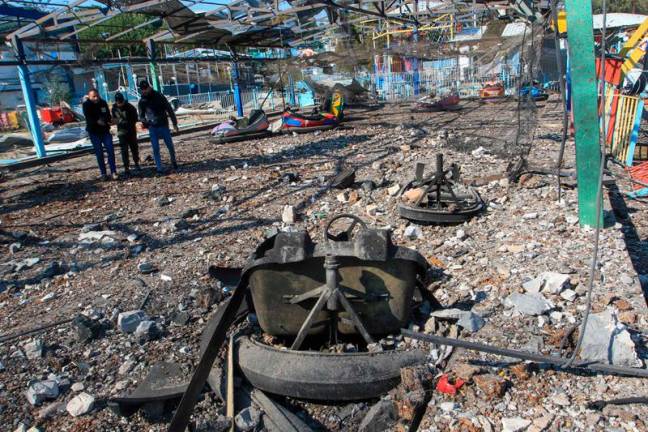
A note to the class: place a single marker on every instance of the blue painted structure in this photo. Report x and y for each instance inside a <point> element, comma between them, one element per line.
<point>238,102</point>
<point>30,100</point>
<point>416,80</point>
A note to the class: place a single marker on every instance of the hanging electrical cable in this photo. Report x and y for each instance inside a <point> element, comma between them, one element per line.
<point>599,197</point>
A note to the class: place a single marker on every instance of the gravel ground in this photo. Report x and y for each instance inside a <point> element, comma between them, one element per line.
<point>237,192</point>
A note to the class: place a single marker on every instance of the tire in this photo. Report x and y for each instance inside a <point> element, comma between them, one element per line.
<point>322,376</point>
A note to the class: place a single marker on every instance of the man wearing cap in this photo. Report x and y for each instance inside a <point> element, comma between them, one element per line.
<point>98,120</point>
<point>125,116</point>
<point>154,113</point>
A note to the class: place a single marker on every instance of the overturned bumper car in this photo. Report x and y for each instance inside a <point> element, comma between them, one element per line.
<point>253,126</point>
<point>434,104</point>
<point>438,198</point>
<point>534,92</point>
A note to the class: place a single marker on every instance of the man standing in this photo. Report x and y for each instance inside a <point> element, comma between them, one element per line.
<point>154,113</point>
<point>98,122</point>
<point>125,116</point>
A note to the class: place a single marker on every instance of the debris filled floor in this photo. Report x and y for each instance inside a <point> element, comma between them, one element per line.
<point>73,244</point>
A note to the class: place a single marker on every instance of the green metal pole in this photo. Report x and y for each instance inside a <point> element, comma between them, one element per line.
<point>152,55</point>
<point>585,106</point>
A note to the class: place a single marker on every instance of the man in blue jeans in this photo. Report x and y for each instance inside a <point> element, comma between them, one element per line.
<point>98,122</point>
<point>154,113</point>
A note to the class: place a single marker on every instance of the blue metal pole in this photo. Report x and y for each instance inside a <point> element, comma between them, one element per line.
<point>417,82</point>
<point>292,100</point>
<point>238,102</point>
<point>30,100</point>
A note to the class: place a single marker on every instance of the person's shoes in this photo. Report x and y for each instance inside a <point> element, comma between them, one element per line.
<point>175,166</point>
<point>114,176</point>
<point>127,173</point>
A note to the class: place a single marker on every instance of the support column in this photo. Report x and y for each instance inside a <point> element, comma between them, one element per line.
<point>238,102</point>
<point>415,65</point>
<point>585,102</point>
<point>30,99</point>
<point>292,99</point>
<point>151,50</point>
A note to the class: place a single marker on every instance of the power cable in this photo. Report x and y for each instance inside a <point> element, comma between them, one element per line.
<point>599,197</point>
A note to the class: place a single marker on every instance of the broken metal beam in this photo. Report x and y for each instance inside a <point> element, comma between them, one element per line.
<point>524,355</point>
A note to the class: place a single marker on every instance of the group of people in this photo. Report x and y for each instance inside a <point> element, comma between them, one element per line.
<point>154,113</point>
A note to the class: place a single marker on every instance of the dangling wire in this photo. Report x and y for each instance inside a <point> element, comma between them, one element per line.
<point>599,197</point>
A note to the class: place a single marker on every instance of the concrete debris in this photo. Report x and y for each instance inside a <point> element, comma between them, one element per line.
<point>413,232</point>
<point>126,367</point>
<point>80,404</point>
<point>34,349</point>
<point>148,330</point>
<point>51,410</point>
<point>41,391</point>
<point>86,328</point>
<point>528,304</point>
<point>77,387</point>
<point>608,341</point>
<point>549,282</point>
<point>247,419</point>
<point>393,190</point>
<point>493,386</point>
<point>468,320</point>
<point>288,215</point>
<point>515,424</point>
<point>129,321</point>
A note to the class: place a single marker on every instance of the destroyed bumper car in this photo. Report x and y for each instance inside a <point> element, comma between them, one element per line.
<point>437,198</point>
<point>348,287</point>
<point>433,104</point>
<point>253,126</point>
<point>299,123</point>
<point>537,94</point>
<point>491,93</point>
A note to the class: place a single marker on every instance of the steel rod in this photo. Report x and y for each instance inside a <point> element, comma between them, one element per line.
<point>523,355</point>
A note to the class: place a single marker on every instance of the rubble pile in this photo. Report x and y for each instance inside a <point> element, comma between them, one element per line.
<point>125,266</point>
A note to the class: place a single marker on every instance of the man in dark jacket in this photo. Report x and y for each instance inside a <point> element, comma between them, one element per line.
<point>98,122</point>
<point>125,116</point>
<point>154,113</point>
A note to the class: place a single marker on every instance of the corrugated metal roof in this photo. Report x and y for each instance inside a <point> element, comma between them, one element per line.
<point>619,20</point>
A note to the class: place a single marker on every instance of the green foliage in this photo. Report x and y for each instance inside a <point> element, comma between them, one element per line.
<point>58,91</point>
<point>629,6</point>
<point>113,26</point>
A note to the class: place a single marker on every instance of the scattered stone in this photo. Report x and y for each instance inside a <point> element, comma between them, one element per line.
<point>571,219</point>
<point>521,371</point>
<point>80,404</point>
<point>209,296</point>
<point>166,278</point>
<point>413,195</point>
<point>554,282</point>
<point>561,399</point>
<point>77,387</point>
<point>542,423</point>
<point>530,216</point>
<point>34,349</point>
<point>465,371</point>
<point>493,386</point>
<point>468,320</point>
<point>448,406</point>
<point>623,305</point>
<point>126,367</point>
<point>515,424</point>
<point>96,235</point>
<point>41,391</point>
<point>528,304</point>
<point>86,328</point>
<point>163,201</point>
<point>180,317</point>
<point>413,232</point>
<point>371,209</point>
<point>393,190</point>
<point>606,340</point>
<point>147,331</point>
<point>145,267</point>
<point>50,410</point>
<point>380,417</point>
<point>129,321</point>
<point>189,213</point>
<point>288,215</point>
<point>461,234</point>
<point>247,419</point>
<point>569,295</point>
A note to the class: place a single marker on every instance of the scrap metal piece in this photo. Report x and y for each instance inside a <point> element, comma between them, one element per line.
<point>164,381</point>
<point>322,376</point>
<point>278,418</point>
<point>523,355</point>
<point>434,200</point>
<point>344,179</point>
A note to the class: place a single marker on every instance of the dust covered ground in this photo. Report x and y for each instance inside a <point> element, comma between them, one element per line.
<point>226,199</point>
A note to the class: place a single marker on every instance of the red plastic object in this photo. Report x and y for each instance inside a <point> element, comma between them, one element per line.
<point>52,115</point>
<point>445,386</point>
<point>612,70</point>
